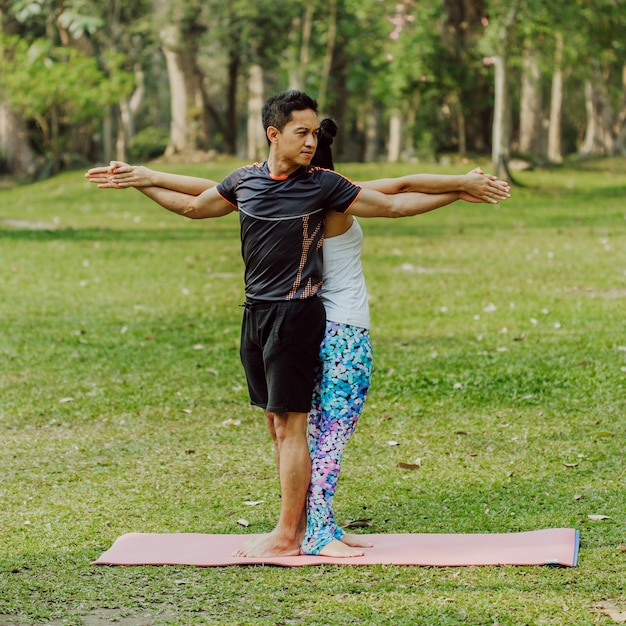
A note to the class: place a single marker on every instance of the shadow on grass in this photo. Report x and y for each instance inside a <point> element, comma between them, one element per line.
<point>117,235</point>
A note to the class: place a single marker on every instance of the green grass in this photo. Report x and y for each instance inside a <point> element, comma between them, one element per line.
<point>500,362</point>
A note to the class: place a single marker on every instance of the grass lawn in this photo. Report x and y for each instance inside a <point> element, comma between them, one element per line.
<point>500,363</point>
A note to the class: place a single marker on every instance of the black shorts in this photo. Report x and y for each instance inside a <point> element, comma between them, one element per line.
<point>280,343</point>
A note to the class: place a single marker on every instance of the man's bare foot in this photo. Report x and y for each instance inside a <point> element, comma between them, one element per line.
<point>356,541</point>
<point>339,549</point>
<point>269,545</point>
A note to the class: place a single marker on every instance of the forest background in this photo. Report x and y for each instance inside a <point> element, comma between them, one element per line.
<point>407,80</point>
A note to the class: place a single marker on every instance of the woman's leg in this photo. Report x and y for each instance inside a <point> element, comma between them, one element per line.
<point>346,365</point>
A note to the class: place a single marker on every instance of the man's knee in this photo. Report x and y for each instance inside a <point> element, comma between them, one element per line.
<point>289,426</point>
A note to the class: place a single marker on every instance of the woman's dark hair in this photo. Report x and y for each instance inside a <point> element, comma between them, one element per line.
<point>323,156</point>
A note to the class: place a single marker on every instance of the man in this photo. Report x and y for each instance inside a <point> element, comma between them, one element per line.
<point>282,204</point>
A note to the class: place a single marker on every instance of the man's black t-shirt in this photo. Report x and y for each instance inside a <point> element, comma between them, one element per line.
<point>282,226</point>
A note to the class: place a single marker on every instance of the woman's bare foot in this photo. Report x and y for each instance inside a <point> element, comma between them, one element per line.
<point>356,541</point>
<point>269,545</point>
<point>339,549</point>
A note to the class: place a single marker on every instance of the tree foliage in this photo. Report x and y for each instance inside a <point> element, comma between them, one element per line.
<point>429,64</point>
<point>58,87</point>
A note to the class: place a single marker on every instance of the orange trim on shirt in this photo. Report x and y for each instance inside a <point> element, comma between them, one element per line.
<point>355,199</point>
<point>226,199</point>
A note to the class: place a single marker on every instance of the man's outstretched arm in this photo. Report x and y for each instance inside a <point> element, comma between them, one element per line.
<point>208,204</point>
<point>195,198</point>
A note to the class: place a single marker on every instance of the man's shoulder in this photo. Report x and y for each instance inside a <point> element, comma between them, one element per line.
<point>248,170</point>
<point>315,170</point>
<point>236,177</point>
<point>333,182</point>
<point>328,175</point>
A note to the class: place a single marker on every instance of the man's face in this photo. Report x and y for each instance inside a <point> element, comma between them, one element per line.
<point>298,140</point>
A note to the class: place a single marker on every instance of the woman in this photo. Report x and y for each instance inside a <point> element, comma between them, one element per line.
<point>345,358</point>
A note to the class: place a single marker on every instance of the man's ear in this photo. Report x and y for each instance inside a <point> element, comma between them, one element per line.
<point>272,134</point>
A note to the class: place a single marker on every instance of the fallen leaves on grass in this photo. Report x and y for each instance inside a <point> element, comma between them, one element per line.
<point>358,523</point>
<point>231,422</point>
<point>411,466</point>
<point>616,614</point>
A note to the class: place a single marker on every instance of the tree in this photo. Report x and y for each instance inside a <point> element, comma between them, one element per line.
<point>16,154</point>
<point>179,28</point>
<point>401,77</point>
<point>604,57</point>
<point>555,146</point>
<point>123,32</point>
<point>531,113</point>
<point>463,73</point>
<point>57,87</point>
<point>503,33</point>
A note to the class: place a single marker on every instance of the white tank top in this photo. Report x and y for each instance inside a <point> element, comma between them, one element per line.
<point>343,288</point>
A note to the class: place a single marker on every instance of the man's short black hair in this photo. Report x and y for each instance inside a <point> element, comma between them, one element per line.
<point>278,109</point>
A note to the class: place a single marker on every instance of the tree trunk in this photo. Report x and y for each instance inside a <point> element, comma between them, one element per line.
<point>409,138</point>
<point>590,142</point>
<point>395,136</point>
<point>344,146</point>
<point>257,142</point>
<point>370,132</point>
<point>530,104</point>
<point>179,98</point>
<point>230,130</point>
<point>555,151</point>
<point>328,56</point>
<point>461,29</point>
<point>599,138</point>
<point>298,54</point>
<point>15,150</point>
<point>178,39</point>
<point>128,110</point>
<point>307,26</point>
<point>620,131</point>
<point>456,107</point>
<point>107,135</point>
<point>501,119</point>
<point>501,140</point>
<point>16,153</point>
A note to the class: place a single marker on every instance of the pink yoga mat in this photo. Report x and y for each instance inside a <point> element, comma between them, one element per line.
<point>554,546</point>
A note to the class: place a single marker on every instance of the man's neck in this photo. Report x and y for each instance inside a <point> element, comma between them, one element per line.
<point>279,168</point>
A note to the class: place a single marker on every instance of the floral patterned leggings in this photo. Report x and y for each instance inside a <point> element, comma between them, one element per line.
<point>340,391</point>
